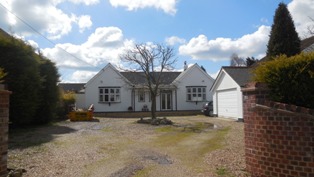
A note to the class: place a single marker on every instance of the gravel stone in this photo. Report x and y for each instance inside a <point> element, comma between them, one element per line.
<point>119,147</point>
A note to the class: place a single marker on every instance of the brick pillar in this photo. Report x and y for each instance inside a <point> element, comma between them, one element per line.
<point>4,120</point>
<point>279,138</point>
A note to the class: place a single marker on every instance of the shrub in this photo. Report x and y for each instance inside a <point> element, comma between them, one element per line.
<point>66,104</point>
<point>2,74</point>
<point>291,79</point>
<point>157,121</point>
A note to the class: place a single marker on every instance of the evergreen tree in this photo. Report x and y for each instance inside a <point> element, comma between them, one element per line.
<point>250,61</point>
<point>22,79</point>
<point>32,80</point>
<point>48,92</point>
<point>283,37</point>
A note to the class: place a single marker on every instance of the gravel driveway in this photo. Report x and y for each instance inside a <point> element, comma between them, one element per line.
<point>114,147</point>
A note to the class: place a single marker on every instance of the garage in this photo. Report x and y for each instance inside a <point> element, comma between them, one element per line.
<point>227,95</point>
<point>227,103</point>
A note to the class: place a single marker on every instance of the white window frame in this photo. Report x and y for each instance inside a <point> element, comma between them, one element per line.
<point>109,94</point>
<point>196,93</point>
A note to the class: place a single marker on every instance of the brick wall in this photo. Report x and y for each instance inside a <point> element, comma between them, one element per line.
<point>4,119</point>
<point>279,138</point>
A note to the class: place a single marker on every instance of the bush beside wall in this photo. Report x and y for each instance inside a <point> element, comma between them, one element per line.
<point>290,79</point>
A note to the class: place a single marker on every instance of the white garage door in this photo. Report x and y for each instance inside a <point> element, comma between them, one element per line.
<point>227,103</point>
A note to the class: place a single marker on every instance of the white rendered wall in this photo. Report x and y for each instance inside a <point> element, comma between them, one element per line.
<point>108,78</point>
<point>194,77</point>
<point>225,82</point>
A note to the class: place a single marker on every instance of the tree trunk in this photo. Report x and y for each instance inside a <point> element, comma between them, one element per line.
<point>153,108</point>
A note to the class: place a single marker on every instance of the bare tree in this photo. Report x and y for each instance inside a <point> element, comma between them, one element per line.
<point>152,60</point>
<point>250,61</point>
<point>310,28</point>
<point>235,60</point>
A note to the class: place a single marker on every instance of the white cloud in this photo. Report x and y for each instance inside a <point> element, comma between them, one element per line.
<point>44,16</point>
<point>264,21</point>
<point>300,12</point>
<point>173,40</point>
<point>105,37</point>
<point>221,48</point>
<point>86,2</point>
<point>214,75</point>
<point>33,44</point>
<point>84,22</point>
<point>80,76</point>
<point>103,46</point>
<point>168,6</point>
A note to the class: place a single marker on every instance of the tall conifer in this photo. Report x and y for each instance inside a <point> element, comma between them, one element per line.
<point>283,37</point>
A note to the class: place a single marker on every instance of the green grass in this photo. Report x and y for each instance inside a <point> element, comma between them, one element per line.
<point>215,142</point>
<point>165,129</point>
<point>222,171</point>
<point>107,129</point>
<point>189,145</point>
<point>144,172</point>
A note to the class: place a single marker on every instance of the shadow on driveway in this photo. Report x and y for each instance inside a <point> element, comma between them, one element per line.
<point>21,138</point>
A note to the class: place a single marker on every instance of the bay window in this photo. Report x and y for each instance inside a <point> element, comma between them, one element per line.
<point>196,93</point>
<point>109,94</point>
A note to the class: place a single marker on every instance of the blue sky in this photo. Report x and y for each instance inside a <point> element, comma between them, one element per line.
<point>82,36</point>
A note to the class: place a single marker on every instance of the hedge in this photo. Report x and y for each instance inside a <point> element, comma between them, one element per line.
<point>291,79</point>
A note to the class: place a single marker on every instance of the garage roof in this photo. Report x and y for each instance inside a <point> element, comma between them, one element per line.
<point>241,75</point>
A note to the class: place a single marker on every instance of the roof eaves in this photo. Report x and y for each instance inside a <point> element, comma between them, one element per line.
<point>216,80</point>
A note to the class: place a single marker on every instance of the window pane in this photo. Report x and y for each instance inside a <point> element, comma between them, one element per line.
<point>194,90</point>
<point>199,95</point>
<point>189,97</point>
<point>109,94</point>
<point>199,90</point>
<point>204,89</point>
<point>204,96</point>
<point>189,90</point>
<point>111,97</point>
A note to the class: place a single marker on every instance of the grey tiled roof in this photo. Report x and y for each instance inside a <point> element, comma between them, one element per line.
<point>139,77</point>
<point>71,87</point>
<point>307,44</point>
<point>309,49</point>
<point>241,75</point>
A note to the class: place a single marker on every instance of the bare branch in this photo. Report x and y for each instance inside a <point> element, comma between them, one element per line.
<point>152,60</point>
<point>310,28</point>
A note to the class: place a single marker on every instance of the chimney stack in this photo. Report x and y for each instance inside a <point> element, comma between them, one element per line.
<point>185,66</point>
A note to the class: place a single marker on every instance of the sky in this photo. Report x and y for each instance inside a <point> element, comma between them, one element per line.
<point>82,36</point>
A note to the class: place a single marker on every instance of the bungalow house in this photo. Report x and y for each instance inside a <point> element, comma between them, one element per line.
<point>111,90</point>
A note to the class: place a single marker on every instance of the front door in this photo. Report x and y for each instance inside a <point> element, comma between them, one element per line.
<point>166,101</point>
